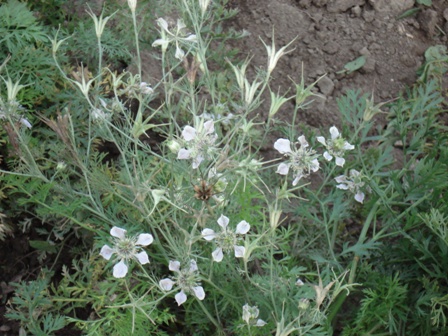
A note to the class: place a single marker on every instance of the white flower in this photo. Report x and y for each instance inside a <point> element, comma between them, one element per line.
<point>200,143</point>
<point>353,183</point>
<point>98,115</point>
<point>336,146</point>
<point>177,37</point>
<point>126,248</point>
<point>145,88</point>
<point>226,239</point>
<point>299,282</point>
<point>302,161</point>
<point>187,280</point>
<point>250,315</point>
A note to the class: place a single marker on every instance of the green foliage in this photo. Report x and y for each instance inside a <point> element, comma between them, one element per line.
<point>18,27</point>
<point>136,182</point>
<point>31,305</point>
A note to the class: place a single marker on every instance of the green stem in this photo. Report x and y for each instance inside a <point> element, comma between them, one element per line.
<point>137,45</point>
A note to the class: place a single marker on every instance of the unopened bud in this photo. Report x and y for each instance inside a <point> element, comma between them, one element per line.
<point>132,5</point>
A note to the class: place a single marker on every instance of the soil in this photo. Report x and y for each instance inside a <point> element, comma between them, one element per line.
<point>327,35</point>
<point>331,33</point>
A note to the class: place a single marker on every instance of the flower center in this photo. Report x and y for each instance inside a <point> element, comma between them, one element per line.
<point>126,247</point>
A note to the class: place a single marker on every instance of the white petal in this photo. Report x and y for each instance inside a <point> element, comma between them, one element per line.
<point>25,122</point>
<point>342,186</point>
<point>340,161</point>
<point>283,146</point>
<point>193,266</point>
<point>120,270</point>
<point>327,156</point>
<point>341,179</point>
<point>166,284</point>
<point>354,173</point>
<point>303,141</point>
<point>208,234</point>
<point>242,228</point>
<point>315,165</point>
<point>197,161</point>
<point>144,239</point>
<point>223,221</point>
<point>217,255</point>
<point>183,154</point>
<point>321,139</point>
<point>142,257</point>
<point>199,292</point>
<point>118,232</point>
<point>347,146</point>
<point>160,42</point>
<point>209,127</point>
<point>191,38</point>
<point>180,54</point>
<point>106,252</point>
<point>239,251</point>
<point>174,265</point>
<point>334,132</point>
<point>283,169</point>
<point>180,297</point>
<point>180,25</point>
<point>189,133</point>
<point>297,179</point>
<point>260,323</point>
<point>359,196</point>
<point>162,23</point>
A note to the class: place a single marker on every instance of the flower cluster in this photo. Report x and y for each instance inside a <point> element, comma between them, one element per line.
<point>199,143</point>
<point>186,279</point>
<point>227,240</point>
<point>353,183</point>
<point>126,248</point>
<point>302,161</point>
<point>177,37</point>
<point>336,146</point>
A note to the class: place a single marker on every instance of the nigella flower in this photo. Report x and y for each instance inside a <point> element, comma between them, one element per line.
<point>336,146</point>
<point>250,315</point>
<point>302,160</point>
<point>227,240</point>
<point>353,183</point>
<point>178,37</point>
<point>126,248</point>
<point>186,279</point>
<point>145,88</point>
<point>200,143</point>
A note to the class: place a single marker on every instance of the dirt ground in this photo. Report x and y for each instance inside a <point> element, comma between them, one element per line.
<point>328,34</point>
<point>331,33</point>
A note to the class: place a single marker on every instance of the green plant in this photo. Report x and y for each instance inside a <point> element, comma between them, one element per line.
<point>176,225</point>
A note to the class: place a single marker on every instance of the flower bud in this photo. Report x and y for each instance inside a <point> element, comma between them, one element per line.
<point>174,146</point>
<point>132,5</point>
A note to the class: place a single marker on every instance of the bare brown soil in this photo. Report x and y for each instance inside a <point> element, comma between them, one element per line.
<point>327,35</point>
<point>330,33</point>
